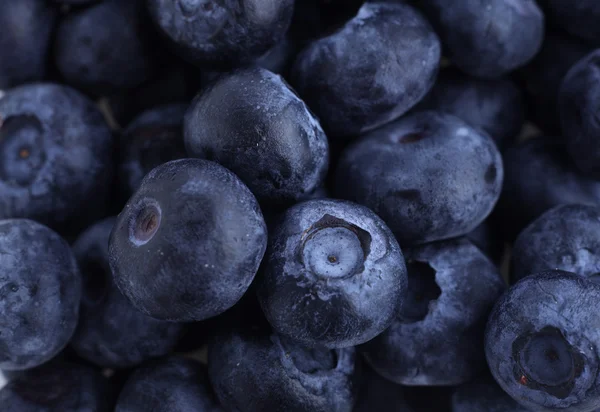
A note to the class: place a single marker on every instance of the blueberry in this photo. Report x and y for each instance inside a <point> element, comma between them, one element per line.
<point>153,138</point>
<point>369,72</point>
<point>538,176</point>
<point>566,237</point>
<point>429,175</point>
<point>251,122</point>
<point>278,58</point>
<point>483,394</point>
<point>577,103</point>
<point>494,106</point>
<point>378,394</point>
<point>55,155</point>
<point>40,290</point>
<point>57,386</point>
<point>111,332</point>
<point>26,27</point>
<point>105,47</point>
<point>173,384</point>
<point>222,34</point>
<point>437,337</point>
<point>488,38</point>
<point>255,371</point>
<point>334,275</point>
<point>541,342</point>
<point>580,17</point>
<point>189,241</point>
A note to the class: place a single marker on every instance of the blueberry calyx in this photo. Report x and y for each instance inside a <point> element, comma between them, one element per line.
<point>146,223</point>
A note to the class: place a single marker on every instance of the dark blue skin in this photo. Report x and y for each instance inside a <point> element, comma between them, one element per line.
<point>55,156</point>
<point>578,102</point>
<point>188,243</point>
<point>333,275</point>
<point>538,176</point>
<point>543,76</point>
<point>252,122</point>
<point>254,371</point>
<point>40,290</point>
<point>57,386</point>
<point>353,92</point>
<point>24,44</point>
<point>151,139</point>
<point>566,237</point>
<point>173,384</point>
<point>378,394</point>
<point>437,337</point>
<point>221,34</point>
<point>488,38</point>
<point>484,395</point>
<point>111,332</point>
<point>578,17</point>
<point>106,47</point>
<point>494,106</point>
<point>542,342</point>
<point>429,176</point>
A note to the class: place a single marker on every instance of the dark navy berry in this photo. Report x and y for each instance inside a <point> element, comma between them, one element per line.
<point>253,371</point>
<point>105,47</point>
<point>488,38</point>
<point>578,101</point>
<point>566,237</point>
<point>57,386</point>
<point>40,290</point>
<point>111,332</point>
<point>222,34</point>
<point>334,275</point>
<point>437,337</point>
<point>189,241</point>
<point>371,71</point>
<point>494,106</point>
<point>55,155</point>
<point>483,395</point>
<point>429,175</point>
<point>252,122</point>
<point>579,17</point>
<point>542,342</point>
<point>173,384</point>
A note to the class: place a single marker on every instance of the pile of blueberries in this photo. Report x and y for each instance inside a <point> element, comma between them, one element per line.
<point>300,205</point>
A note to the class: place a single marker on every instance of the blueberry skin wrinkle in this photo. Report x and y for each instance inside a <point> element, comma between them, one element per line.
<point>428,175</point>
<point>188,243</point>
<point>40,291</point>
<point>566,237</point>
<point>255,372</point>
<point>546,356</point>
<point>111,332</point>
<point>439,342</point>
<point>253,123</point>
<point>488,38</point>
<point>172,384</point>
<point>334,276</point>
<point>395,66</point>
<point>55,155</point>
<point>222,34</point>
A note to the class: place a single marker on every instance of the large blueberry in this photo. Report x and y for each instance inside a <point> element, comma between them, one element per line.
<point>483,395</point>
<point>251,122</point>
<point>222,34</point>
<point>578,17</point>
<point>111,332</point>
<point>488,38</point>
<point>189,241</point>
<point>495,106</point>
<point>57,386</point>
<point>538,175</point>
<point>437,336</point>
<point>566,237</point>
<point>173,384</point>
<point>55,155</point>
<point>371,71</point>
<point>40,290</point>
<point>106,47</point>
<point>26,27</point>
<point>254,371</point>
<point>333,275</point>
<point>429,175</point>
<point>542,342</point>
